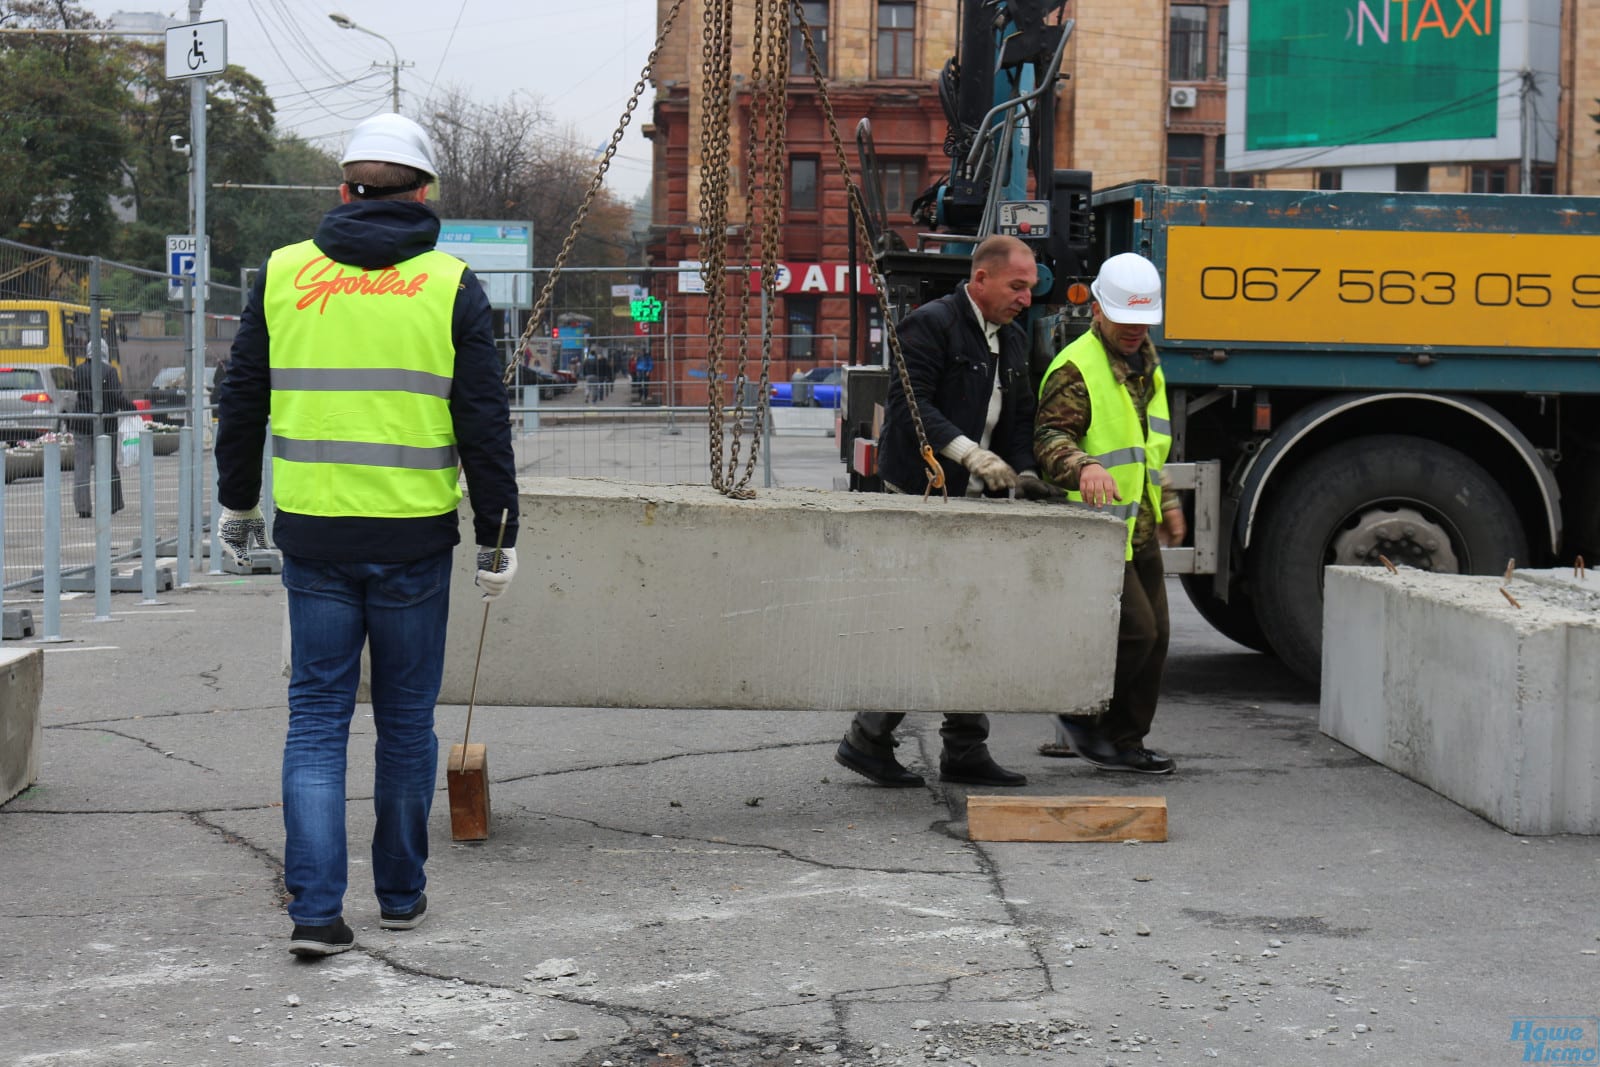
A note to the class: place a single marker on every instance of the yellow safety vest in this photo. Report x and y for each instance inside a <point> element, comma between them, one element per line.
<point>1131,454</point>
<point>362,364</point>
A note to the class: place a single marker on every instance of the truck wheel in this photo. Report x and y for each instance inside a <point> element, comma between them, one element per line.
<point>1234,619</point>
<point>1410,500</point>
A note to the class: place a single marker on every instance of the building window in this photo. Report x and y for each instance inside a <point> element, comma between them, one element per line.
<point>1411,177</point>
<point>803,185</point>
<point>1222,44</point>
<point>1495,178</point>
<point>1330,180</point>
<point>902,181</point>
<point>1186,159</point>
<point>1544,180</point>
<point>1188,57</point>
<point>801,343</point>
<point>1220,176</point>
<point>896,26</point>
<point>815,15</point>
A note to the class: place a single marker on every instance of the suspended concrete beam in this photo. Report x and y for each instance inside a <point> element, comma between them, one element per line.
<point>1488,702</point>
<point>646,596</point>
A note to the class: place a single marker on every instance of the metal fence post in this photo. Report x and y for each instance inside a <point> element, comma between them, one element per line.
<point>147,514</point>
<point>185,491</point>
<point>216,541</point>
<point>102,527</point>
<point>50,565</point>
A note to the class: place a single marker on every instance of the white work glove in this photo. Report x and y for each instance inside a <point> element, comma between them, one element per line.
<point>995,472</point>
<point>494,575</point>
<point>240,530</point>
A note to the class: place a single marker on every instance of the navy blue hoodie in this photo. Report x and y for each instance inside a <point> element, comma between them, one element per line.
<point>370,235</point>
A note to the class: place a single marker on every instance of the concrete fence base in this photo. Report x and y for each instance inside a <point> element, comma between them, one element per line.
<point>652,596</point>
<point>21,728</point>
<point>1443,679</point>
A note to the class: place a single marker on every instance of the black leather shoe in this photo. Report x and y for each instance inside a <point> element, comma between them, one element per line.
<point>979,770</point>
<point>885,770</point>
<point>1138,760</point>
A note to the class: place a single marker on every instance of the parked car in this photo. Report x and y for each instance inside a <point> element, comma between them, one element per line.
<point>819,387</point>
<point>170,389</point>
<point>551,385</point>
<point>33,399</point>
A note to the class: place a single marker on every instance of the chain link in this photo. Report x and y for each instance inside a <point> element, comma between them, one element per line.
<point>543,303</point>
<point>858,214</point>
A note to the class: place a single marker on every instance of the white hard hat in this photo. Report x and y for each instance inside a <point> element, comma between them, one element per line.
<point>1128,290</point>
<point>391,138</point>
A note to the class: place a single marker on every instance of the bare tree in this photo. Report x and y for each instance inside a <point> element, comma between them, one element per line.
<point>506,161</point>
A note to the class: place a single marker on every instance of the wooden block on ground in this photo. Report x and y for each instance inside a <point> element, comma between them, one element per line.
<point>467,779</point>
<point>1031,818</point>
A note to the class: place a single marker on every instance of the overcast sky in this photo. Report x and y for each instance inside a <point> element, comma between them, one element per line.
<point>578,59</point>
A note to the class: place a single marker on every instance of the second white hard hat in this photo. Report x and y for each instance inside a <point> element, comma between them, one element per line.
<point>390,138</point>
<point>1128,289</point>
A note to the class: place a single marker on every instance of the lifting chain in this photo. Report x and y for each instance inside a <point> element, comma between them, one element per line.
<point>766,158</point>
<point>858,215</point>
<point>764,170</point>
<point>543,303</point>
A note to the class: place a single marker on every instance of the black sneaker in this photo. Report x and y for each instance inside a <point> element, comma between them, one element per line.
<point>313,941</point>
<point>1138,760</point>
<point>405,920</point>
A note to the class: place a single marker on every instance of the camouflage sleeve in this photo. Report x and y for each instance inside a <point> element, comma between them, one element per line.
<point>1059,426</point>
<point>1170,500</point>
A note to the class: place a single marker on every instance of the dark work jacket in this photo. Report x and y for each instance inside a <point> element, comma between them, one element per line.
<point>370,235</point>
<point>112,398</point>
<point>952,374</point>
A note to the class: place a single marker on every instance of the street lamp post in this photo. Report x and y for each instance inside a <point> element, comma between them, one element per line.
<point>345,22</point>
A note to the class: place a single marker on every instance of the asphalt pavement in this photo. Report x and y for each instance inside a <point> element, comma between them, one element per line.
<point>709,889</point>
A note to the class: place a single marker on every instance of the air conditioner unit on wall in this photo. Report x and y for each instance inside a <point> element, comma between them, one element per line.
<point>1181,96</point>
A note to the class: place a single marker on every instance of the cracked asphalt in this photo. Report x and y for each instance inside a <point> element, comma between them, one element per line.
<point>709,889</point>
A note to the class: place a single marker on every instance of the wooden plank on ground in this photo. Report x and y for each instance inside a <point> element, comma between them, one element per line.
<point>1034,818</point>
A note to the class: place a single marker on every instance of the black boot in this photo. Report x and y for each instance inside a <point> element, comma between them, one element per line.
<point>977,767</point>
<point>879,766</point>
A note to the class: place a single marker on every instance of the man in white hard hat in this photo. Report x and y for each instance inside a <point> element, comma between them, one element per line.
<point>373,355</point>
<point>1103,432</point>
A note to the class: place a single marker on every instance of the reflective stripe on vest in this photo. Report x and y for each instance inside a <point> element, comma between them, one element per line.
<point>1130,455</point>
<point>362,364</point>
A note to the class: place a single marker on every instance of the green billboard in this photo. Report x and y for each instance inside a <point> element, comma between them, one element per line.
<point>1370,72</point>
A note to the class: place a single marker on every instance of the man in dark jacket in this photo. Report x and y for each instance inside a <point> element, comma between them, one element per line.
<point>968,363</point>
<point>373,353</point>
<point>86,426</point>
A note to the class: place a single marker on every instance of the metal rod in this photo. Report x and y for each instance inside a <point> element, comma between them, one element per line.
<point>472,694</point>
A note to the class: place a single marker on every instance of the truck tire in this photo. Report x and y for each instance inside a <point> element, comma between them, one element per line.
<point>1234,618</point>
<point>1412,500</point>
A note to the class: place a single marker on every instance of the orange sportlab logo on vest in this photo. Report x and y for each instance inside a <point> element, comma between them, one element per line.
<point>319,288</point>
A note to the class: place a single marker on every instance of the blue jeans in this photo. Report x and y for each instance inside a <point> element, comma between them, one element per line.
<point>400,610</point>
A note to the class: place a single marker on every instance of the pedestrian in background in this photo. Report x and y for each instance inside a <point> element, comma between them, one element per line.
<point>967,359</point>
<point>1103,433</point>
<point>98,418</point>
<point>373,354</point>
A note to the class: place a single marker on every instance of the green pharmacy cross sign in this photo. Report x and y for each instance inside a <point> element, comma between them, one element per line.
<point>646,310</point>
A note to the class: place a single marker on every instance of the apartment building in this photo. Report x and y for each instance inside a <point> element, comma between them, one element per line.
<point>1154,90</point>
